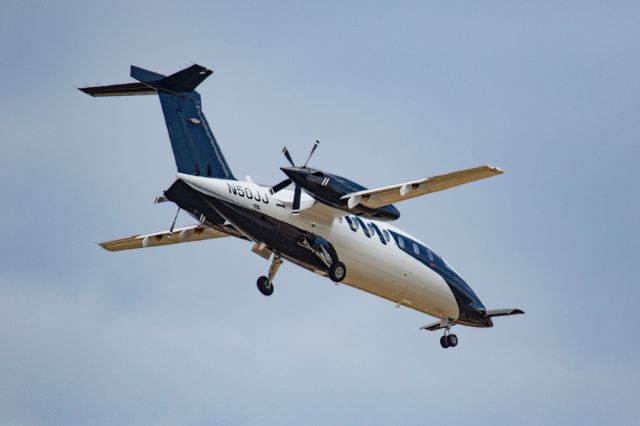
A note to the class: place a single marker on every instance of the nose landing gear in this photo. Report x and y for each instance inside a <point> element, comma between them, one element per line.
<point>447,340</point>
<point>265,284</point>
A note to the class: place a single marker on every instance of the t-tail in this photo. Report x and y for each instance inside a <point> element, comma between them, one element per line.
<point>195,149</point>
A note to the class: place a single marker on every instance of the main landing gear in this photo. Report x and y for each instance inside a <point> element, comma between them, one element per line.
<point>337,271</point>
<point>448,340</point>
<point>327,254</point>
<point>265,284</point>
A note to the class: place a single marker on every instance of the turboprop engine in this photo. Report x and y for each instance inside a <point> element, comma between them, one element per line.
<point>329,189</point>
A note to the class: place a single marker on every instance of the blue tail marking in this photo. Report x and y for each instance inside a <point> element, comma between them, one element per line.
<point>195,148</point>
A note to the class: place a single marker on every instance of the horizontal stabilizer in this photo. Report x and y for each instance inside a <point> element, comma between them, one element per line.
<point>186,80</point>
<point>504,312</point>
<point>180,235</point>
<point>183,81</point>
<point>143,75</point>
<point>127,89</point>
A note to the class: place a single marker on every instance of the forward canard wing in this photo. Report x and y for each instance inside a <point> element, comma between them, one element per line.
<point>375,198</point>
<point>179,235</point>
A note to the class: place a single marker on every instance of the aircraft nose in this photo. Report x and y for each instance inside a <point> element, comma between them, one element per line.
<point>296,174</point>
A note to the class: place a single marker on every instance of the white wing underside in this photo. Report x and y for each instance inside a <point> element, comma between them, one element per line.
<point>375,198</point>
<point>179,235</point>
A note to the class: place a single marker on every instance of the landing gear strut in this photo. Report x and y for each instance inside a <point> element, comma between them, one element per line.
<point>448,340</point>
<point>327,254</point>
<point>265,284</point>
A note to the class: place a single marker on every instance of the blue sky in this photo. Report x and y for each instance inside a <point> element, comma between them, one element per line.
<point>180,335</point>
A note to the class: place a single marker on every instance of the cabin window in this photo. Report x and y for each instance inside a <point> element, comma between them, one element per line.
<point>375,227</point>
<point>386,235</point>
<point>370,226</point>
<point>364,227</point>
<point>430,255</point>
<point>416,249</point>
<point>352,223</point>
<point>400,242</point>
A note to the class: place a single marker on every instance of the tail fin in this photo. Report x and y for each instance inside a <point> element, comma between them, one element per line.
<point>195,148</point>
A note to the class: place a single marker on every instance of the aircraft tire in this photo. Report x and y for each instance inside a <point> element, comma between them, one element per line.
<point>265,286</point>
<point>443,342</point>
<point>452,340</point>
<point>337,271</point>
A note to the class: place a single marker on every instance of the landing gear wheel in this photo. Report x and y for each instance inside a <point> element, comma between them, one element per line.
<point>444,342</point>
<point>265,286</point>
<point>452,340</point>
<point>337,271</point>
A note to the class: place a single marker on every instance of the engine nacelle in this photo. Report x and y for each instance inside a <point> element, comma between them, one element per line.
<point>330,189</point>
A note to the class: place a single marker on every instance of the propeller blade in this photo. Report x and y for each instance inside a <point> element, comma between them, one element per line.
<point>280,186</point>
<point>315,146</point>
<point>296,200</point>
<point>285,151</point>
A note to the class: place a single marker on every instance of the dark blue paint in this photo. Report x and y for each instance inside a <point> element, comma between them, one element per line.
<point>335,188</point>
<point>195,148</point>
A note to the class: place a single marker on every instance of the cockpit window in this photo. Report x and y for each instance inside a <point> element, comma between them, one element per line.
<point>449,267</point>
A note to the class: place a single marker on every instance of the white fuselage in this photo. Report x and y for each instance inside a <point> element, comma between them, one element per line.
<point>380,269</point>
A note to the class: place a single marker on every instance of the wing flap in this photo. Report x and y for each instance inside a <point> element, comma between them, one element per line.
<point>375,198</point>
<point>180,235</point>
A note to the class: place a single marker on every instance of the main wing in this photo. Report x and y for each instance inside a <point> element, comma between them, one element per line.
<point>375,198</point>
<point>180,235</point>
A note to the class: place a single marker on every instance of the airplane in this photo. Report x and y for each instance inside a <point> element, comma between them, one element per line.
<point>327,224</point>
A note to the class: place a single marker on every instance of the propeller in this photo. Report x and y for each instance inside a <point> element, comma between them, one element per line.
<point>297,189</point>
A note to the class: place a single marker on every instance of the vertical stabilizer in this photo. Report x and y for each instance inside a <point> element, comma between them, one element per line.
<point>195,148</point>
